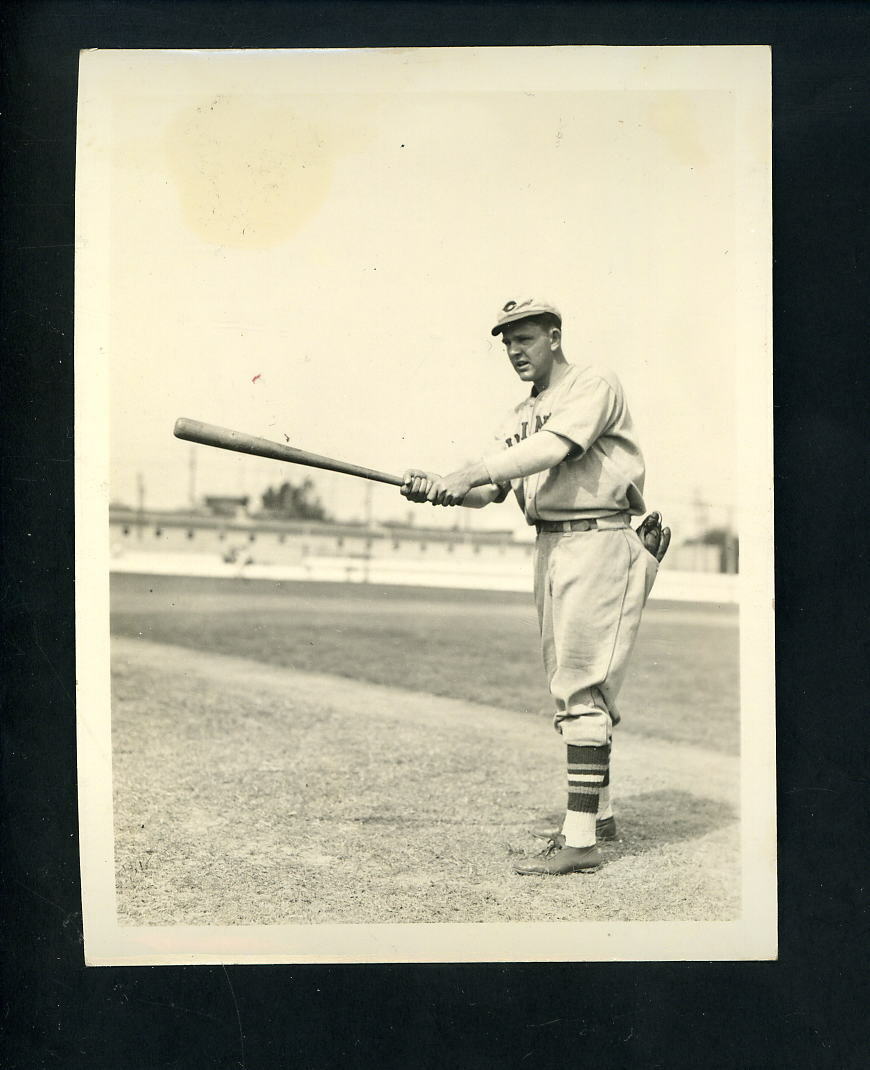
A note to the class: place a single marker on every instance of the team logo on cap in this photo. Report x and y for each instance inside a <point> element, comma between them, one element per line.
<point>511,305</point>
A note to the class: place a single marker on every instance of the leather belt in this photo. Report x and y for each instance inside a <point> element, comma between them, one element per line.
<point>586,524</point>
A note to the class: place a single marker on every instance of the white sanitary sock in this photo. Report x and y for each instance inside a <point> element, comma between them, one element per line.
<point>578,829</point>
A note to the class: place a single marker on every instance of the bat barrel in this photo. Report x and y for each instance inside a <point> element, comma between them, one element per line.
<point>226,439</point>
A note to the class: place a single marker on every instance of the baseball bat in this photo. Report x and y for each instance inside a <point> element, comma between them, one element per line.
<point>225,439</point>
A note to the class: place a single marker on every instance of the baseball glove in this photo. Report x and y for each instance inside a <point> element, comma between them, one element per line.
<point>655,538</point>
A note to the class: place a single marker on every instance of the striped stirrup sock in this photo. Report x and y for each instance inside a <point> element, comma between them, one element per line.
<point>588,768</point>
<point>588,771</point>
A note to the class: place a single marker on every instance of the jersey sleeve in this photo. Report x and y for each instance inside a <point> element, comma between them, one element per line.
<point>584,413</point>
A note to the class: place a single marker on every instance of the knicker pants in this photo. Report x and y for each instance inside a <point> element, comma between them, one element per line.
<point>590,590</point>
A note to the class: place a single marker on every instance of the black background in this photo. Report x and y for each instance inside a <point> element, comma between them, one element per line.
<point>806,1010</point>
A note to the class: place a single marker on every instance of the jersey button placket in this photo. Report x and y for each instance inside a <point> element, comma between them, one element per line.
<point>533,481</point>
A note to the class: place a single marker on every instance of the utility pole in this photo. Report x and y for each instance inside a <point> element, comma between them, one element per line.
<point>367,508</point>
<point>367,512</point>
<point>702,513</point>
<point>191,486</point>
<point>731,555</point>
<point>140,504</point>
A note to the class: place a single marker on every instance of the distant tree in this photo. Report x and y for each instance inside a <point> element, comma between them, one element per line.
<point>293,501</point>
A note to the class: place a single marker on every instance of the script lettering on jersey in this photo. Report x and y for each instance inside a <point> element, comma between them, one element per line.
<point>524,432</point>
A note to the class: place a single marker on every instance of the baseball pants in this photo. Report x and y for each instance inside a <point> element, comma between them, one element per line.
<point>590,590</point>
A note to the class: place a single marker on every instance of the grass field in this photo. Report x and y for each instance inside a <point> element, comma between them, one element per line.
<point>478,646</point>
<point>323,753</point>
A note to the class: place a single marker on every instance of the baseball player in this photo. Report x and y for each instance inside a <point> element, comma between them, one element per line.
<point>570,454</point>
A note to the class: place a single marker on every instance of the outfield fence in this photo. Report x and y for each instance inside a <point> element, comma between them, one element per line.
<point>671,584</point>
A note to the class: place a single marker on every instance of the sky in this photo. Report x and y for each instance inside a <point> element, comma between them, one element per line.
<point>312,247</point>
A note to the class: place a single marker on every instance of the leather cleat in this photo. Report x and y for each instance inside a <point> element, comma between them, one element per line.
<point>555,861</point>
<point>605,829</point>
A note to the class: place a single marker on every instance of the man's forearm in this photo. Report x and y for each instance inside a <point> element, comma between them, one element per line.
<point>541,451</point>
<point>478,497</point>
<point>537,453</point>
<point>474,474</point>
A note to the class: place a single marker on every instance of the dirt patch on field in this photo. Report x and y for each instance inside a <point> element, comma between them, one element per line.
<point>247,793</point>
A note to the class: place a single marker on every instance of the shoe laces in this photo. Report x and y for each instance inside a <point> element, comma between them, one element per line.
<point>552,847</point>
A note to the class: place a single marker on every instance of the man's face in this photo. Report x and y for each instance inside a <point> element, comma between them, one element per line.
<point>531,349</point>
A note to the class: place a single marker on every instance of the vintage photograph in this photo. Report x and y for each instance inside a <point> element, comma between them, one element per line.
<point>424,505</point>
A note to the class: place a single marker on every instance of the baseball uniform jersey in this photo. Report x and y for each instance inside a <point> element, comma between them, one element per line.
<point>604,473</point>
<point>592,577</point>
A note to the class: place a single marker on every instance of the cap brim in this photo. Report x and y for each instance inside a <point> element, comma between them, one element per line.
<point>500,326</point>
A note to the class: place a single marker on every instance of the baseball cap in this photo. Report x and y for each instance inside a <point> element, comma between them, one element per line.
<point>519,310</point>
